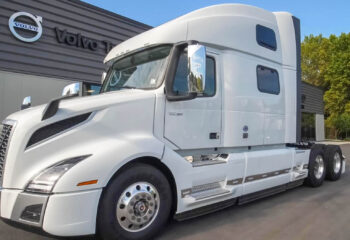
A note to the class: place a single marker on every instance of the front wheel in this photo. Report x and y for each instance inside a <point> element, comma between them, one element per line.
<point>135,205</point>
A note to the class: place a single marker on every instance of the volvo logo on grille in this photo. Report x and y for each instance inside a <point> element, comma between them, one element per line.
<point>19,29</point>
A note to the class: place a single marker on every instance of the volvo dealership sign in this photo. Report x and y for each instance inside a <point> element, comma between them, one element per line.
<point>81,41</point>
<point>36,29</point>
<point>28,28</point>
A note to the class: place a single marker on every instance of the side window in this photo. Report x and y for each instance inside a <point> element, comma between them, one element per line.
<point>268,80</point>
<point>180,82</point>
<point>266,37</point>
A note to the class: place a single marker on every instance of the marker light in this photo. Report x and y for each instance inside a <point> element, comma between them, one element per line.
<point>87,183</point>
<point>46,180</point>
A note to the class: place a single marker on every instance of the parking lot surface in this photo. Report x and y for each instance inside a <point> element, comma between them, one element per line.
<point>302,213</point>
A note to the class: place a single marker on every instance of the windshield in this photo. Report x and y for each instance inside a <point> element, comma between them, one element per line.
<point>142,70</point>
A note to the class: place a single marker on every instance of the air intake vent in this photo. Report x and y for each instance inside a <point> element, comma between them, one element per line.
<point>56,128</point>
<point>4,140</point>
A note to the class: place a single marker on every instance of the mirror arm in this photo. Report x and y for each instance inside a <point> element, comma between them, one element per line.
<point>171,70</point>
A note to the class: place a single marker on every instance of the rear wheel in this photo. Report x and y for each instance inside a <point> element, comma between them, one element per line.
<point>334,161</point>
<point>317,167</point>
<point>135,205</point>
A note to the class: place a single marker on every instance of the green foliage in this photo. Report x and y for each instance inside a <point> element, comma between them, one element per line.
<point>314,59</point>
<point>340,122</point>
<point>326,63</point>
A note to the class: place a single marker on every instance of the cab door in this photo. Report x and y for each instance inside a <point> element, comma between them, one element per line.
<point>196,123</point>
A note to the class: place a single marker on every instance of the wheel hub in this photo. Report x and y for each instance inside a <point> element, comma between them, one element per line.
<point>137,206</point>
<point>336,163</point>
<point>319,167</point>
<point>140,208</point>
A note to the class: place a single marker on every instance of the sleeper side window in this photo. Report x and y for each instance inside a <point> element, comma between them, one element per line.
<point>180,86</point>
<point>266,37</point>
<point>268,80</point>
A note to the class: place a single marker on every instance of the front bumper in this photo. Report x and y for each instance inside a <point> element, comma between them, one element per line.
<point>64,214</point>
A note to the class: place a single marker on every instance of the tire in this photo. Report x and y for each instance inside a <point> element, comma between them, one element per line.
<point>139,192</point>
<point>334,162</point>
<point>317,161</point>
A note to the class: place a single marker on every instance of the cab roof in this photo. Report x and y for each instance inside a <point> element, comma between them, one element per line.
<point>224,26</point>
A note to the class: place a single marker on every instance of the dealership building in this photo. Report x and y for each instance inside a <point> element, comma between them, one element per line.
<point>46,45</point>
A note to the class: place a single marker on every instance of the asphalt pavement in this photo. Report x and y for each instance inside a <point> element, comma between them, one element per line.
<point>299,214</point>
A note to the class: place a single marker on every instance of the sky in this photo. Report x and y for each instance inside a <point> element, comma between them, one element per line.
<point>317,16</point>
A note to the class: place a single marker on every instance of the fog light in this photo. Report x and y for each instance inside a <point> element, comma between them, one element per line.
<point>32,213</point>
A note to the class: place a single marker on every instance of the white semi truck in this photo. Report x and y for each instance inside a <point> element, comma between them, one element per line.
<point>195,115</point>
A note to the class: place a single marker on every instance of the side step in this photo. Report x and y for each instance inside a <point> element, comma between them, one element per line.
<point>300,171</point>
<point>205,210</point>
<point>269,192</point>
<point>209,193</point>
<point>205,191</point>
<point>295,184</point>
<point>242,200</point>
<point>261,194</point>
<point>299,174</point>
<point>207,162</point>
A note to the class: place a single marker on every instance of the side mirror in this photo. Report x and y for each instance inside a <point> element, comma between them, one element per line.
<point>71,89</point>
<point>196,61</point>
<point>27,103</point>
<point>104,74</point>
<point>196,55</point>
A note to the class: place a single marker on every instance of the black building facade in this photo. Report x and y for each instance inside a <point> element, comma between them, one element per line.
<point>45,45</point>
<point>312,113</point>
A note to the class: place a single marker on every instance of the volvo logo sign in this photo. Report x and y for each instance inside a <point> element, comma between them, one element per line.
<point>16,26</point>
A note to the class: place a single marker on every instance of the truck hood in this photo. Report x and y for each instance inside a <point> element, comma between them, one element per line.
<point>75,106</point>
<point>115,114</point>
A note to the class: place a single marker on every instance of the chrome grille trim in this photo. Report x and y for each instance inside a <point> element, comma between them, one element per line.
<point>5,136</point>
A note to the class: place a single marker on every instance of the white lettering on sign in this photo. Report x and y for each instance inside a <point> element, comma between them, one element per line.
<point>26,26</point>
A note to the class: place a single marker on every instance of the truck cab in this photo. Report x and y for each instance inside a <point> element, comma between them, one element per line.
<point>195,115</point>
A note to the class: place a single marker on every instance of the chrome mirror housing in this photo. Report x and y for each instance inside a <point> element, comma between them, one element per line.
<point>104,74</point>
<point>71,89</point>
<point>27,102</point>
<point>196,55</point>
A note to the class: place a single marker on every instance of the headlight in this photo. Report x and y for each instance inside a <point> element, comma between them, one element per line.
<point>46,180</point>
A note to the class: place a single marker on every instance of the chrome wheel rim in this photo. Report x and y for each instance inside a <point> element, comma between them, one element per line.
<point>336,163</point>
<point>137,207</point>
<point>319,167</point>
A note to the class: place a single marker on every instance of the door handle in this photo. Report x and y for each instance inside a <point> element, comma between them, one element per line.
<point>214,135</point>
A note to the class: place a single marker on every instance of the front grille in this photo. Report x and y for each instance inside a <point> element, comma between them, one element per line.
<point>4,140</point>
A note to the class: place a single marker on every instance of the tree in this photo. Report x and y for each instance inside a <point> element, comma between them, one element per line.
<point>326,63</point>
<point>314,59</point>
<point>341,123</point>
<point>337,76</point>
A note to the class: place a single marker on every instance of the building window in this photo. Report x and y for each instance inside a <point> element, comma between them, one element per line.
<point>266,37</point>
<point>91,89</point>
<point>303,98</point>
<point>268,80</point>
<point>308,132</point>
<point>181,84</point>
